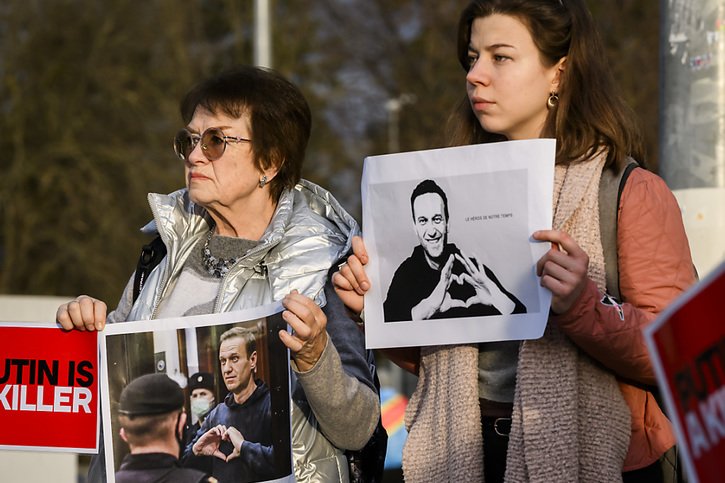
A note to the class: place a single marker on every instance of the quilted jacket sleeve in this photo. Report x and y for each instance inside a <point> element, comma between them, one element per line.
<point>655,266</point>
<point>340,387</point>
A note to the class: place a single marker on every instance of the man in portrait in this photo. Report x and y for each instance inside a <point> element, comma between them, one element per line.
<point>438,281</point>
<point>237,433</point>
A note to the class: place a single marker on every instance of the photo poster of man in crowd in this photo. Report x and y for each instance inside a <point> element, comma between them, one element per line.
<point>448,232</point>
<point>246,436</point>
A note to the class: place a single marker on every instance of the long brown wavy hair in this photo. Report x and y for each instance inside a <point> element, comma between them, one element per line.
<point>590,114</point>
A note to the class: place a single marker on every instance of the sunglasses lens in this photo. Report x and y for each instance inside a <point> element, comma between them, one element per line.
<point>183,144</point>
<point>213,144</point>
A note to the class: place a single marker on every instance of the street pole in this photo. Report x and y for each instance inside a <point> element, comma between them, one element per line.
<point>393,106</point>
<point>692,126</point>
<point>262,34</point>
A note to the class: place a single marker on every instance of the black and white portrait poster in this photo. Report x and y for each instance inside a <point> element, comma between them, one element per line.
<point>448,232</point>
<point>243,433</point>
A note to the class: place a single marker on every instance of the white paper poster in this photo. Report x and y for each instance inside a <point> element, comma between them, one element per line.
<point>179,347</point>
<point>448,232</point>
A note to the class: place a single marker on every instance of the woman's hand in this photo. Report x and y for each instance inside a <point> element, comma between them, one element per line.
<point>350,281</point>
<point>83,313</point>
<point>563,269</point>
<point>309,337</point>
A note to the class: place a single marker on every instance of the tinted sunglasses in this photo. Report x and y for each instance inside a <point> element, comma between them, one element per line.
<point>213,143</point>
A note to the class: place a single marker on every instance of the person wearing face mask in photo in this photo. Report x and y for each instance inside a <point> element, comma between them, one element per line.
<point>201,401</point>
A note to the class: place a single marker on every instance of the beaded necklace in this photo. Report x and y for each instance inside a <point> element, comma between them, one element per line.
<point>217,267</point>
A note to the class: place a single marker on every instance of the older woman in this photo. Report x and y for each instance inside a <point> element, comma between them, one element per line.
<point>247,231</point>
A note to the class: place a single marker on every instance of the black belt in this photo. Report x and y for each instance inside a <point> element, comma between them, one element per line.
<point>501,426</point>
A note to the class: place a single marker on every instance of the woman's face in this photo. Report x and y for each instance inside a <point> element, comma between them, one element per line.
<point>230,182</point>
<point>507,84</point>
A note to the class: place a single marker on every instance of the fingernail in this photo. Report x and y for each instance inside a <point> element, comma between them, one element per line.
<point>365,286</point>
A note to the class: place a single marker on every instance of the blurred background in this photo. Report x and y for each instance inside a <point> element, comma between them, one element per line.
<point>89,93</point>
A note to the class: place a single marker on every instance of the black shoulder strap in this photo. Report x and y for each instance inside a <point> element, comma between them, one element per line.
<point>151,255</point>
<point>611,186</point>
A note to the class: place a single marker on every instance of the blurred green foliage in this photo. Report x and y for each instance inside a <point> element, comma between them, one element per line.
<point>89,93</point>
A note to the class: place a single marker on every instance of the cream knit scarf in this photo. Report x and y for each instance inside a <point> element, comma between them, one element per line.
<point>570,421</point>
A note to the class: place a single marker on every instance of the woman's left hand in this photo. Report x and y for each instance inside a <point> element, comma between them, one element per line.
<point>563,269</point>
<point>309,337</point>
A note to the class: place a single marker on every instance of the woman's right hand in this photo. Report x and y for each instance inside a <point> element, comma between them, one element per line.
<point>83,313</point>
<point>350,281</point>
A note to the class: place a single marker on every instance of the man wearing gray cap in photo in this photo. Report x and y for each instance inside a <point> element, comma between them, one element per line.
<point>152,419</point>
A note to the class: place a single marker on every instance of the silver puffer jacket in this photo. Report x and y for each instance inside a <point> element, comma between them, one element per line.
<point>308,233</point>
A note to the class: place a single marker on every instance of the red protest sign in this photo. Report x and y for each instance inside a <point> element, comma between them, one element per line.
<point>48,389</point>
<point>687,343</point>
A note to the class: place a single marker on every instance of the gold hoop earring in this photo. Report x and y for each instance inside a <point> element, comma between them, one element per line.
<point>553,100</point>
<point>263,181</point>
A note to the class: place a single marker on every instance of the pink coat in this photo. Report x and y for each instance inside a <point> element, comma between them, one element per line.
<point>655,266</point>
